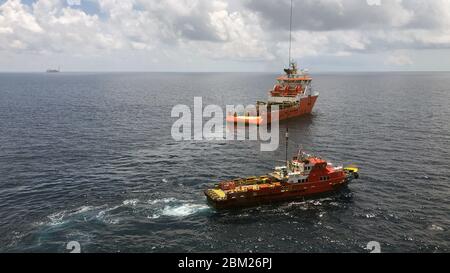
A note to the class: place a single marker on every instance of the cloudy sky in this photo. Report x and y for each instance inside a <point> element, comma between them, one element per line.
<point>224,35</point>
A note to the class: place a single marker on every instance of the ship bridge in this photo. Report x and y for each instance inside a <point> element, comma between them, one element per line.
<point>290,87</point>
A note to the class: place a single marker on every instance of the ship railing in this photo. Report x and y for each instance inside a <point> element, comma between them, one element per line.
<point>280,94</point>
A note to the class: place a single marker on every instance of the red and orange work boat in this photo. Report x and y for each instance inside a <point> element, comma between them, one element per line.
<point>292,94</point>
<point>304,176</point>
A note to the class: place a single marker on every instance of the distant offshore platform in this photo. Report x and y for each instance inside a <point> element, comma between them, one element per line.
<point>53,70</point>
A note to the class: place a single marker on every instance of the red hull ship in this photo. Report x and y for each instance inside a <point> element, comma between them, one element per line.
<point>304,176</point>
<point>292,94</point>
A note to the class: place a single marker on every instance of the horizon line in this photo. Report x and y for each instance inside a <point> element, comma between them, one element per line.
<point>200,71</point>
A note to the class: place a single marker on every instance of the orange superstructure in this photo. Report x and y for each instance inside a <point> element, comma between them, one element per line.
<point>292,95</point>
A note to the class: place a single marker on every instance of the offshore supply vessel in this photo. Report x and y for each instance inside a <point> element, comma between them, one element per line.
<point>302,177</point>
<point>305,176</point>
<point>292,94</point>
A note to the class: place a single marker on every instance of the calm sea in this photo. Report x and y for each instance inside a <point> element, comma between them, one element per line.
<point>89,157</point>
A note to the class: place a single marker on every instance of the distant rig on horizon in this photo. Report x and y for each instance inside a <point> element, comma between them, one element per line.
<point>53,70</point>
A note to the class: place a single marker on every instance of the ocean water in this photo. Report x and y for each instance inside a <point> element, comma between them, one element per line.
<point>89,157</point>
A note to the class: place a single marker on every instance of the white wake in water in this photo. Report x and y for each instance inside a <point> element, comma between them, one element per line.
<point>183,210</point>
<point>83,213</point>
<point>56,218</point>
<point>127,209</point>
<point>130,202</point>
<point>172,207</point>
<point>61,217</point>
<point>164,200</point>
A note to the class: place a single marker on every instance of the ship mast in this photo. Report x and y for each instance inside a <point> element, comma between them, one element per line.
<point>290,36</point>
<point>287,144</point>
<point>292,69</point>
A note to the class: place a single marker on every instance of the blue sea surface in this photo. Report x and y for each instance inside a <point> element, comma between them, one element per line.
<point>89,157</point>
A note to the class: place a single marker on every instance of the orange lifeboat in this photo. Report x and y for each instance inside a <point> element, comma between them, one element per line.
<point>276,90</point>
<point>285,91</point>
<point>257,120</point>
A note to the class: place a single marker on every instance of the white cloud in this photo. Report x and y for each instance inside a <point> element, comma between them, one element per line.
<point>373,2</point>
<point>252,30</point>
<point>17,17</point>
<point>399,59</point>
